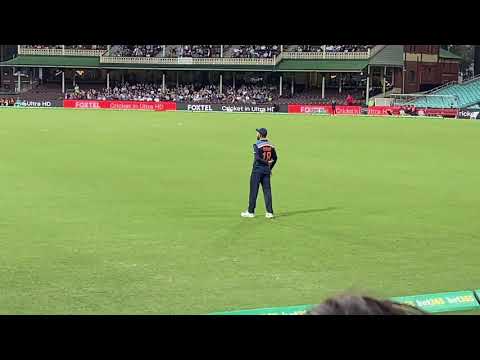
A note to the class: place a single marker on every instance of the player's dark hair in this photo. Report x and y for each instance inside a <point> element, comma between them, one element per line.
<point>362,305</point>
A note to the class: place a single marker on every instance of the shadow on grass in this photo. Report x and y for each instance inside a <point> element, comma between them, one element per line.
<point>301,212</point>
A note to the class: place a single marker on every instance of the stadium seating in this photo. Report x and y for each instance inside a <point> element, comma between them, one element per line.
<point>467,94</point>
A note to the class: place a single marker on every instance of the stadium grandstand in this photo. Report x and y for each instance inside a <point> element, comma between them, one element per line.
<point>282,74</point>
<point>466,95</point>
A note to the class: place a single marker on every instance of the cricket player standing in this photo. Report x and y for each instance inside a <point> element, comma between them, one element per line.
<point>265,158</point>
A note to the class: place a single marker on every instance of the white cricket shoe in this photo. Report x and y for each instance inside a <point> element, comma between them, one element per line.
<point>246,214</point>
<point>269,216</point>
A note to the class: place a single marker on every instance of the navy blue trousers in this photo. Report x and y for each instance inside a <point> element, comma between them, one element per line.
<point>256,179</point>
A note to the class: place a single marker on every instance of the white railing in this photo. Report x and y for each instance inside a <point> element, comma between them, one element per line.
<point>278,58</point>
<point>137,60</point>
<point>32,51</point>
<point>184,61</point>
<point>83,52</point>
<point>233,61</point>
<point>476,77</point>
<point>435,89</point>
<point>360,55</point>
<point>59,52</point>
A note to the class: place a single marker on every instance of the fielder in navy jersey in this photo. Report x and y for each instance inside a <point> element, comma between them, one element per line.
<point>265,158</point>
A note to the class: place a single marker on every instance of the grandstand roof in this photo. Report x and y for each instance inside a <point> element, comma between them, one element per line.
<point>54,61</point>
<point>390,55</point>
<point>94,62</point>
<point>322,65</point>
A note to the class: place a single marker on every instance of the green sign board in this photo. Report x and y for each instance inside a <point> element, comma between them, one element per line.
<point>289,310</point>
<point>432,303</point>
<point>442,302</point>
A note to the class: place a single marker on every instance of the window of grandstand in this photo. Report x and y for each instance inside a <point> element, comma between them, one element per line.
<point>411,76</point>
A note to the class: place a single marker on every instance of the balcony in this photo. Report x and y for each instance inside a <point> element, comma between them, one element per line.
<point>22,50</point>
<point>326,55</point>
<point>186,61</point>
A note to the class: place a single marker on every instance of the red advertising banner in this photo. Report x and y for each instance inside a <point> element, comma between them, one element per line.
<point>384,110</point>
<point>439,112</point>
<point>348,110</point>
<point>120,105</point>
<point>309,109</point>
<point>324,109</point>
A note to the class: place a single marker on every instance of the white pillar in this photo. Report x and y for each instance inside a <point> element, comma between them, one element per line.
<point>281,79</point>
<point>177,79</point>
<point>63,82</point>
<point>40,73</point>
<point>19,82</point>
<point>323,86</point>
<point>340,79</point>
<point>74,76</point>
<point>108,80</point>
<point>221,51</point>
<point>324,50</point>
<point>293,84</point>
<point>164,47</point>
<point>233,80</point>
<point>393,77</point>
<point>281,48</point>
<point>368,85</point>
<point>163,81</point>
<point>221,83</point>
<point>384,73</point>
<point>63,49</point>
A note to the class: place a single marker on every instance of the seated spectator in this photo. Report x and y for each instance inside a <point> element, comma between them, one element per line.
<point>362,305</point>
<point>184,93</point>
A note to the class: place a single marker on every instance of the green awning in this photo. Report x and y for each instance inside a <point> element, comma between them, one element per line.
<point>94,62</point>
<point>389,55</point>
<point>322,65</point>
<point>85,62</point>
<point>448,55</point>
<point>54,61</point>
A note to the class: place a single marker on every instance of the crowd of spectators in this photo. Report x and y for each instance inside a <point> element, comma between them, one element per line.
<point>139,50</point>
<point>186,93</point>
<point>7,101</point>
<point>333,48</point>
<point>256,51</point>
<point>196,51</point>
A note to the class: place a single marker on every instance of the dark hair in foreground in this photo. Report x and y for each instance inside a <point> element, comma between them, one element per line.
<point>362,305</point>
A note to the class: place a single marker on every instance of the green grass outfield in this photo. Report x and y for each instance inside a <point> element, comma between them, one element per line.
<point>124,212</point>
